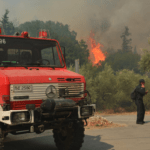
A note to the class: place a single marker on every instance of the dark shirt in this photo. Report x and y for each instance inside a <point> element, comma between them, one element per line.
<point>140,92</point>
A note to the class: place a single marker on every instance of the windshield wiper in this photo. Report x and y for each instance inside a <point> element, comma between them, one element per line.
<point>24,66</point>
<point>39,64</point>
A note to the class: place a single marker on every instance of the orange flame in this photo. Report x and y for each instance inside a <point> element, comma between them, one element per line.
<point>96,54</point>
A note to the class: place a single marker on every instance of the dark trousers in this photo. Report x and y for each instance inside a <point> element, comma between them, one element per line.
<point>140,110</point>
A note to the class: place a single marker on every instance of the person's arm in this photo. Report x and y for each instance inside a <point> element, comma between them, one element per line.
<point>146,92</point>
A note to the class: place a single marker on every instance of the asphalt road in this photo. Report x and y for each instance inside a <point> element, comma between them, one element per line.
<point>131,137</point>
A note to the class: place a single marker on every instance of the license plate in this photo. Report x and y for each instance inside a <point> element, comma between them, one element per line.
<point>26,88</point>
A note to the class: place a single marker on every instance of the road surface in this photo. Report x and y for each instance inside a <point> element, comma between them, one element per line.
<point>131,137</point>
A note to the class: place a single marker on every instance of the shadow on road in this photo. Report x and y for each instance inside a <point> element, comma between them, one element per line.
<point>38,143</point>
<point>47,143</point>
<point>147,121</point>
<point>94,143</point>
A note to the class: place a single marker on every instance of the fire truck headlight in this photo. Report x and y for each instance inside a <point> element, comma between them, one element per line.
<point>87,111</point>
<point>17,117</point>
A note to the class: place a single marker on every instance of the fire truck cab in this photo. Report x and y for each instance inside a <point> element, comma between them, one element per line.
<point>38,93</point>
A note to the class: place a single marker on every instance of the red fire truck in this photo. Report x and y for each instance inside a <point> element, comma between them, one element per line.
<point>38,93</point>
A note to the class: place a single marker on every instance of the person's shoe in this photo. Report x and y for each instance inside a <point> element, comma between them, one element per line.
<point>143,121</point>
<point>139,122</point>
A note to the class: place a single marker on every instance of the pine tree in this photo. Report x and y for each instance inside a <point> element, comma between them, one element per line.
<point>126,42</point>
<point>7,25</point>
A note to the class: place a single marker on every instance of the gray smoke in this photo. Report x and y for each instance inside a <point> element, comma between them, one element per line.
<point>107,18</point>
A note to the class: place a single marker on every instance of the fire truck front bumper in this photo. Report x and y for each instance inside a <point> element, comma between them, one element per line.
<point>49,109</point>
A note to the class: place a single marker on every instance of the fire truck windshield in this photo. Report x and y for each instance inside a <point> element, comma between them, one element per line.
<point>29,52</point>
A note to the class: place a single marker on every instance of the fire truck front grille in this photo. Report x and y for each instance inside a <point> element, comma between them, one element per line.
<point>39,91</point>
<point>72,88</point>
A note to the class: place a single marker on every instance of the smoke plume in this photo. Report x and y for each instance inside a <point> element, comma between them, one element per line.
<point>106,18</point>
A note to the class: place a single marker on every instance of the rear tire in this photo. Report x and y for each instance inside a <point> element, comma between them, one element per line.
<point>69,138</point>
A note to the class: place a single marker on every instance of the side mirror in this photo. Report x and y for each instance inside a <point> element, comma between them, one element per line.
<point>63,51</point>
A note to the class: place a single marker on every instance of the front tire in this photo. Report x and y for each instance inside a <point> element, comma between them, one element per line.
<point>1,139</point>
<point>68,138</point>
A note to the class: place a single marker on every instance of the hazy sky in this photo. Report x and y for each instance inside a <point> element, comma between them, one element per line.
<point>107,18</point>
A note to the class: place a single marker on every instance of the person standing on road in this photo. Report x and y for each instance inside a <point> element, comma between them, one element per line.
<point>140,92</point>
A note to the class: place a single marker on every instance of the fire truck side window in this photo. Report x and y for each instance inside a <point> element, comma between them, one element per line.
<point>51,54</point>
<point>47,54</point>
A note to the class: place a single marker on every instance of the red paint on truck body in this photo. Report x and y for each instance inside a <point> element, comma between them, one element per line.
<point>26,76</point>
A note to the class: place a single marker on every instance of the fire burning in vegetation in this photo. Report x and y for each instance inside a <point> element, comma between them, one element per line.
<point>96,54</point>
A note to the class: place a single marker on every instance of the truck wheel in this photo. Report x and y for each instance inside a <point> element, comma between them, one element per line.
<point>68,138</point>
<point>1,140</point>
